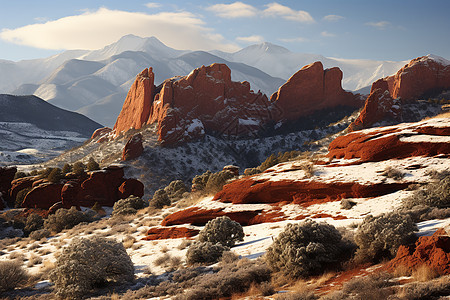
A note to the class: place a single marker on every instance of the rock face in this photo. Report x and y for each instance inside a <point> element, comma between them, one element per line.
<point>19,184</point>
<point>6,177</point>
<point>136,108</point>
<point>421,77</point>
<point>133,148</point>
<point>43,196</point>
<point>312,89</point>
<point>100,135</point>
<point>162,233</point>
<point>432,251</point>
<point>426,138</point>
<point>207,101</point>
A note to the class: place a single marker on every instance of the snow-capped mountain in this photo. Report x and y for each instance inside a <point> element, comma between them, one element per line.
<point>32,130</point>
<point>95,83</point>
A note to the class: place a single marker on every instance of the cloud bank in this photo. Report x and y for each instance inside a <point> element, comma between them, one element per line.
<point>95,29</point>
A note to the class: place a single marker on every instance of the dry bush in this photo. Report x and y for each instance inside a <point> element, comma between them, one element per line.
<point>12,275</point>
<point>175,190</point>
<point>347,204</point>
<point>204,253</point>
<point>184,244</point>
<point>303,295</point>
<point>433,289</point>
<point>128,241</point>
<point>222,230</point>
<point>88,263</point>
<point>160,199</point>
<point>304,249</point>
<point>129,206</point>
<point>162,260</point>
<point>424,273</point>
<point>379,237</point>
<point>308,168</point>
<point>34,260</point>
<point>393,173</point>
<point>66,219</point>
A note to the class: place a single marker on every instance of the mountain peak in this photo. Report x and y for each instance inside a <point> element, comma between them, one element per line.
<point>265,47</point>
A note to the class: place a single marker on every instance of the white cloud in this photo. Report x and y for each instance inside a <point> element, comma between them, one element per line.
<point>95,29</point>
<point>277,10</point>
<point>333,18</point>
<point>153,5</point>
<point>294,40</point>
<point>379,25</point>
<point>327,34</point>
<point>233,10</point>
<point>250,39</point>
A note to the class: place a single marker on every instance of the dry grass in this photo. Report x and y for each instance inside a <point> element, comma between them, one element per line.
<point>184,244</point>
<point>164,249</point>
<point>128,241</point>
<point>136,246</point>
<point>424,273</point>
<point>162,260</point>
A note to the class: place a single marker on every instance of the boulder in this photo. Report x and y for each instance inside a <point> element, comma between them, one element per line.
<point>6,177</point>
<point>162,233</point>
<point>138,103</point>
<point>130,187</point>
<point>133,148</point>
<point>101,134</point>
<point>431,251</point>
<point>19,184</point>
<point>69,194</point>
<point>43,196</point>
<point>312,89</point>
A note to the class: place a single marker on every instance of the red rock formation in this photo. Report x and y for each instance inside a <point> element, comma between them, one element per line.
<point>389,143</point>
<point>312,89</point>
<point>43,196</point>
<point>252,191</point>
<point>19,184</point>
<point>131,187</point>
<point>69,194</point>
<point>162,233</point>
<point>421,76</point>
<point>101,134</point>
<point>432,251</point>
<point>207,101</point>
<point>136,108</point>
<point>133,148</point>
<point>6,177</point>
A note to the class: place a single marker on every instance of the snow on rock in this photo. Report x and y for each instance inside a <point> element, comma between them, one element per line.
<point>394,142</point>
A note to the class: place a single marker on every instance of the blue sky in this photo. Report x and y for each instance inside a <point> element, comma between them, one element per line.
<point>384,30</point>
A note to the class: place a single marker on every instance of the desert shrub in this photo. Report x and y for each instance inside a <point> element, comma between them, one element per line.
<point>39,234</point>
<point>204,253</point>
<point>217,180</point>
<point>380,237</point>
<point>66,219</point>
<point>175,190</point>
<point>251,171</point>
<point>347,204</point>
<point>273,159</point>
<point>436,194</point>
<point>66,168</point>
<point>92,165</point>
<point>34,222</point>
<point>160,199</point>
<point>302,295</point>
<point>12,275</point>
<point>78,168</point>
<point>199,181</point>
<point>129,206</point>
<point>308,168</point>
<point>55,175</point>
<point>377,287</point>
<point>87,263</point>
<point>222,230</point>
<point>21,196</point>
<point>20,174</point>
<point>304,249</point>
<point>231,279</point>
<point>393,173</point>
<point>433,289</point>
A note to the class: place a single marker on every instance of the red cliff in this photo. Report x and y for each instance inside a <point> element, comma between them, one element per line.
<point>312,89</point>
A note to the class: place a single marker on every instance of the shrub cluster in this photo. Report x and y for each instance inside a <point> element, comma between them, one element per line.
<point>210,182</point>
<point>92,165</point>
<point>20,197</point>
<point>436,194</point>
<point>222,230</point>
<point>393,173</point>
<point>129,206</point>
<point>160,199</point>
<point>66,219</point>
<point>304,249</point>
<point>88,263</point>
<point>175,190</point>
<point>379,237</point>
<point>204,253</point>
<point>34,222</point>
<point>12,275</point>
<point>273,159</point>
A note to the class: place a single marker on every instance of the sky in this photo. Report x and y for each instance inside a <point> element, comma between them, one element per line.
<point>381,30</point>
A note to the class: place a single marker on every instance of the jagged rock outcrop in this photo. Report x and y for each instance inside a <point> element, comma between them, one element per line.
<point>207,101</point>
<point>133,148</point>
<point>431,251</point>
<point>426,138</point>
<point>136,108</point>
<point>311,89</point>
<point>421,77</point>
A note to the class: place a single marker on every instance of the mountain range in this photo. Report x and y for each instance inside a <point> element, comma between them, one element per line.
<point>95,83</point>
